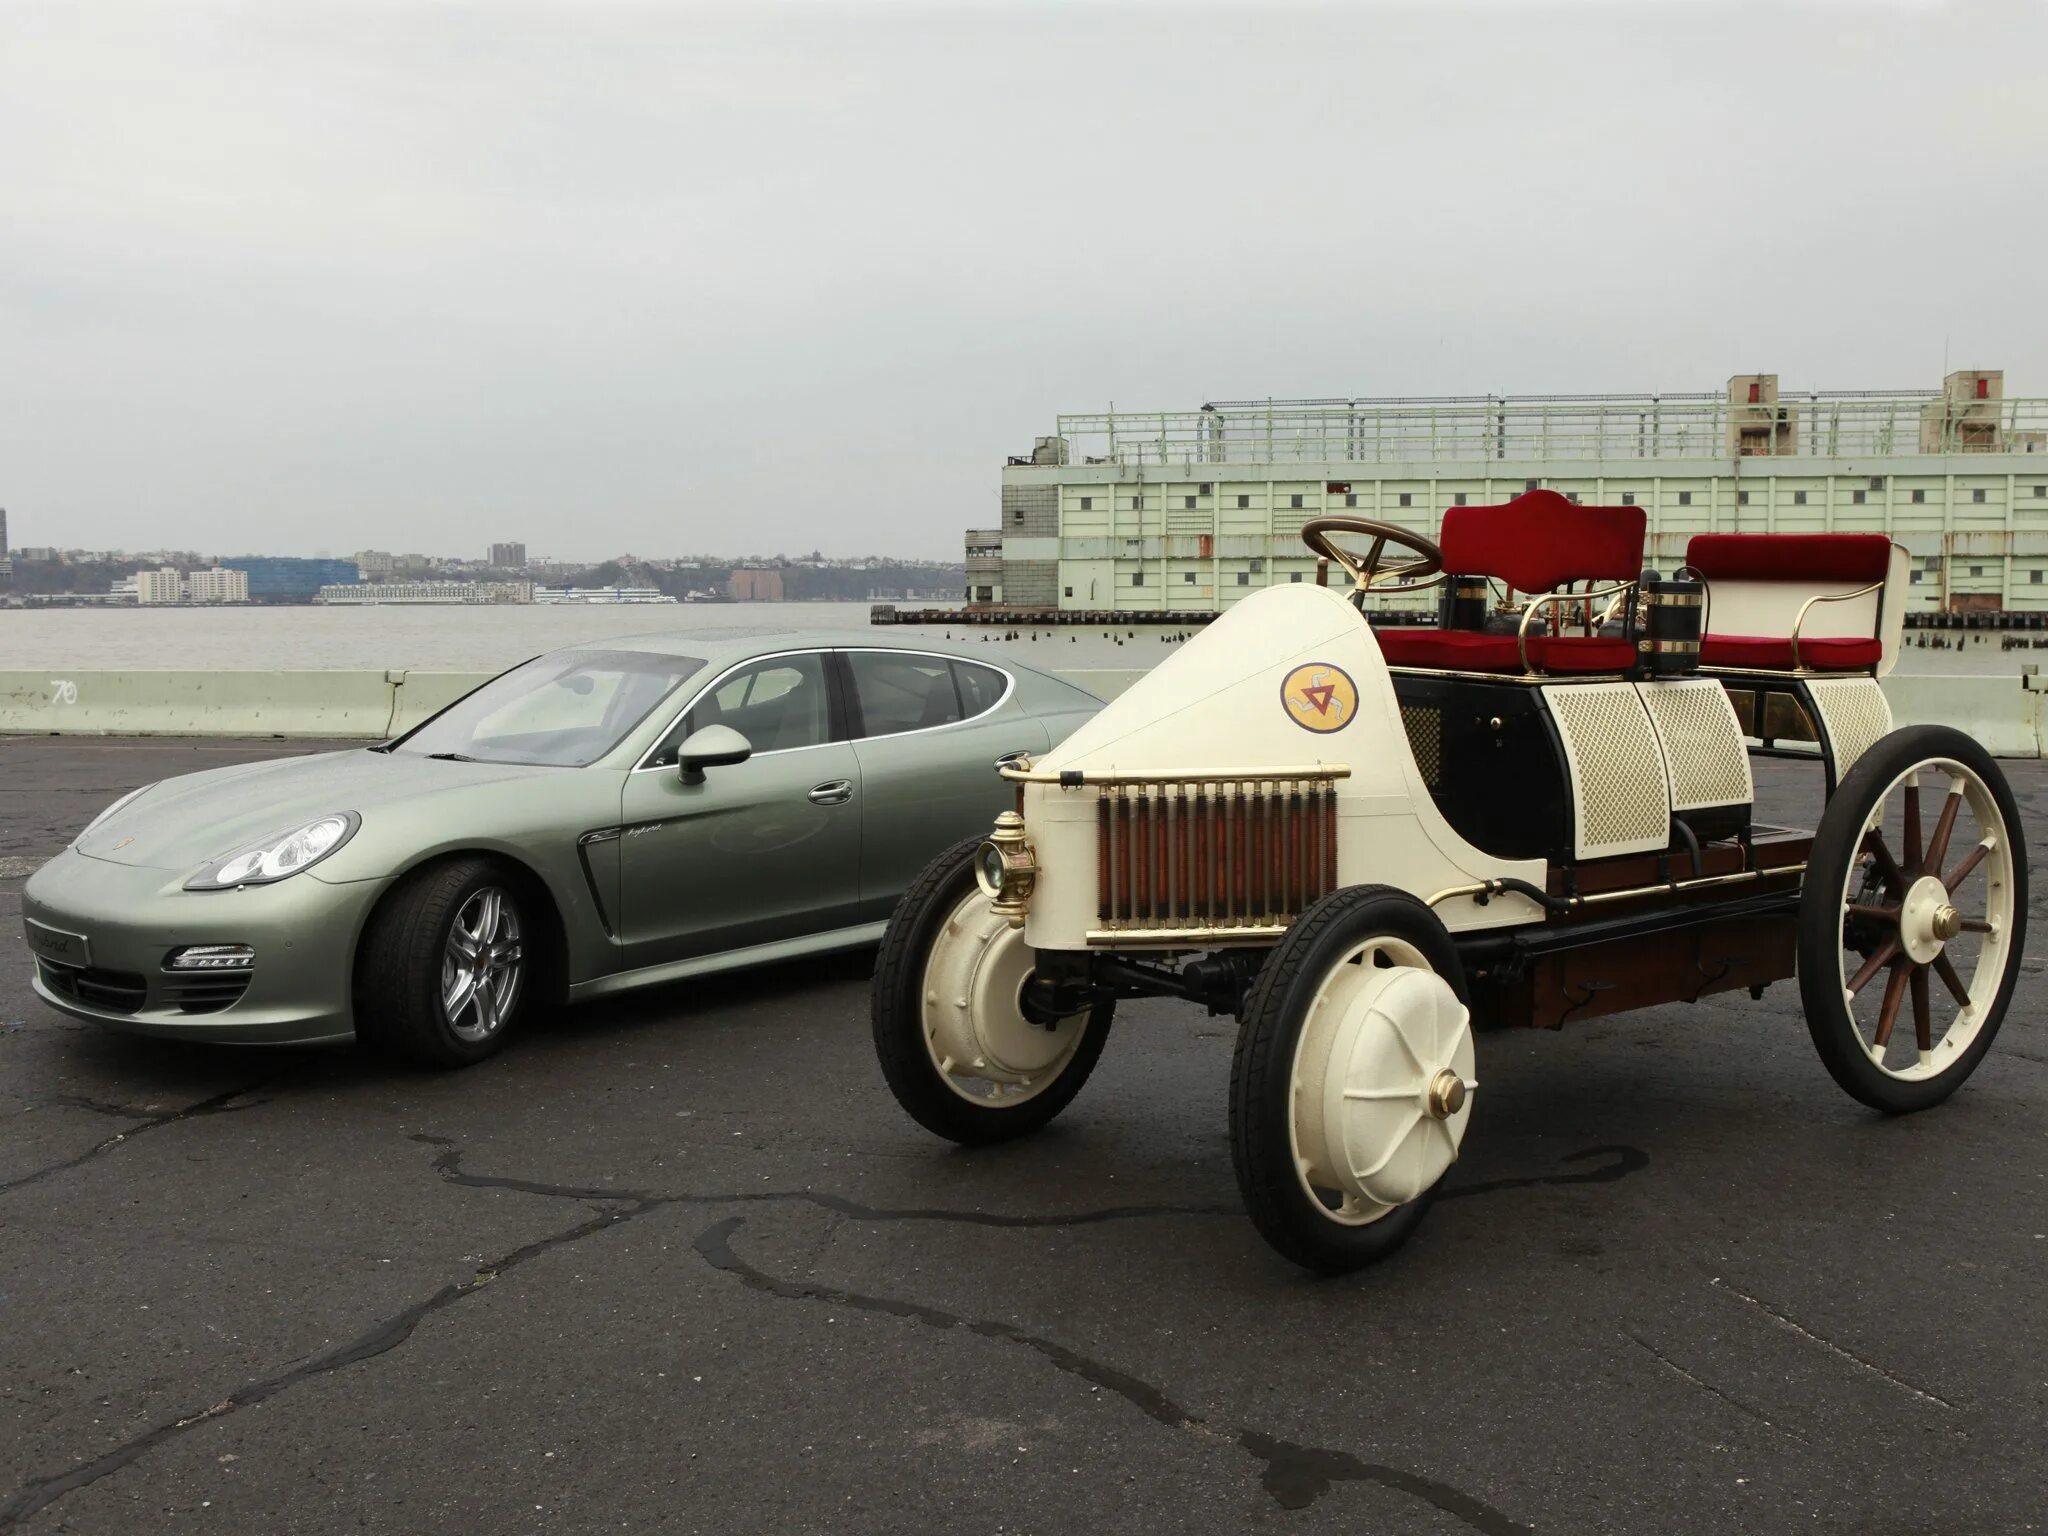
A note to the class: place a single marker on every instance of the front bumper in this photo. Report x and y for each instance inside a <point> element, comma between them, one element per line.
<point>303,931</point>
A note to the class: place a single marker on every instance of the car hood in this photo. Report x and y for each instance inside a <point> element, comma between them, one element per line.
<point>187,822</point>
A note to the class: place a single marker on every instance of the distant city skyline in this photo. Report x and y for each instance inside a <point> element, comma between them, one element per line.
<point>662,276</point>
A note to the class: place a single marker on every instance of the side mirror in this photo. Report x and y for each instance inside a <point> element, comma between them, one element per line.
<point>715,746</point>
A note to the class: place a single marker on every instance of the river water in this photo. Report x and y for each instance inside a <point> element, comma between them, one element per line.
<point>487,638</point>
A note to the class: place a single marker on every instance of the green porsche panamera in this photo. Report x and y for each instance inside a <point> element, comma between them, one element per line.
<point>605,817</point>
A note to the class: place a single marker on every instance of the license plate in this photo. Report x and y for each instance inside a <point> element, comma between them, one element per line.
<point>55,945</point>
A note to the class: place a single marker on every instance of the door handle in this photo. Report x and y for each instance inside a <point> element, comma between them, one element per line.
<point>1012,760</point>
<point>833,792</point>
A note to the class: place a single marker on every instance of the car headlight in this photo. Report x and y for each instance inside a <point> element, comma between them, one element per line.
<point>278,858</point>
<point>1006,869</point>
<point>103,815</point>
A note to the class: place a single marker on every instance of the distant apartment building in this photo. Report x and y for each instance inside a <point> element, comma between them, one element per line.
<point>508,557</point>
<point>375,564</point>
<point>160,588</point>
<point>755,586</point>
<point>367,593</point>
<point>168,585</point>
<point>219,585</point>
<point>1193,510</point>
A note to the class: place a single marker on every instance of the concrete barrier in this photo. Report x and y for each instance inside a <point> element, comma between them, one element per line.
<point>145,703</point>
<point>2005,713</point>
<point>416,695</point>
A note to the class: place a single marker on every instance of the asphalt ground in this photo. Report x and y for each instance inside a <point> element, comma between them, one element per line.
<point>678,1263</point>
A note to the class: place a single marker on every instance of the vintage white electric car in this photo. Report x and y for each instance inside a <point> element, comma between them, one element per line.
<point>1364,843</point>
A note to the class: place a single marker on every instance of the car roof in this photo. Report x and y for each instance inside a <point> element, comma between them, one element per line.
<point>722,649</point>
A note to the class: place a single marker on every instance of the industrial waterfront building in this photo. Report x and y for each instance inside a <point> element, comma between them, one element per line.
<point>377,593</point>
<point>1189,511</point>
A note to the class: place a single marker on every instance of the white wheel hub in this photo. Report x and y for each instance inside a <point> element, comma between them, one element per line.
<point>1925,919</point>
<point>1382,1083</point>
<point>975,1027</point>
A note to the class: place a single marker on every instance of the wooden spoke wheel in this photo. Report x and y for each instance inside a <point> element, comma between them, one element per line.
<point>1912,918</point>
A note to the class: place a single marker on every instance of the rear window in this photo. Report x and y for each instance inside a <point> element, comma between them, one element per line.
<point>899,691</point>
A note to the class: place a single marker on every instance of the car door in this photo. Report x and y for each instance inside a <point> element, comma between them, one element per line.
<point>928,730</point>
<point>758,851</point>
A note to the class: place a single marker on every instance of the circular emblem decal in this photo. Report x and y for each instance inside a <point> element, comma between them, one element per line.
<point>1319,697</point>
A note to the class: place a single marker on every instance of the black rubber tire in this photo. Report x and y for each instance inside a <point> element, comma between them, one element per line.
<point>398,964</point>
<point>1262,1075</point>
<point>1835,845</point>
<point>896,1012</point>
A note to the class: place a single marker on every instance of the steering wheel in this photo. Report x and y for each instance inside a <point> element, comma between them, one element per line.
<point>1367,572</point>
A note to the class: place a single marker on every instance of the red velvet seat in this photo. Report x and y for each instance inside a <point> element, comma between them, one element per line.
<point>1853,559</point>
<point>1466,650</point>
<point>1831,654</point>
<point>1534,543</point>
<point>1810,562</point>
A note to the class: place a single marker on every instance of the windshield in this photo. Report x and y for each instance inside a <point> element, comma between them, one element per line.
<point>564,710</point>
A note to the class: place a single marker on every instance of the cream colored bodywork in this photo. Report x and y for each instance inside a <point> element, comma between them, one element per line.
<point>1215,704</point>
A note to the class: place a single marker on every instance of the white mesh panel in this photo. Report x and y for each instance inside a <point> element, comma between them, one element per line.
<point>1621,796</point>
<point>1702,743</point>
<point>1853,713</point>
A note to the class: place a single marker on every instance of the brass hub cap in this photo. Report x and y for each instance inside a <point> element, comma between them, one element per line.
<point>1446,1094</point>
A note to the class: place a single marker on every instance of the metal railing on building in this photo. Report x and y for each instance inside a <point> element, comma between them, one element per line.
<point>1526,429</point>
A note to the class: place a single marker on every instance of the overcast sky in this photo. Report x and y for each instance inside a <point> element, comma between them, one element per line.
<point>667,278</point>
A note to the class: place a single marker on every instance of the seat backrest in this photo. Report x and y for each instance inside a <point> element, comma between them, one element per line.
<point>1540,540</point>
<point>1757,583</point>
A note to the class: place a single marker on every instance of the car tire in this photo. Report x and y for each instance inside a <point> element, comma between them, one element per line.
<point>1264,1082</point>
<point>413,961</point>
<point>898,1001</point>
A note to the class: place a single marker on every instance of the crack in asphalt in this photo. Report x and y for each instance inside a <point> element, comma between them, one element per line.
<point>1709,1388</point>
<point>97,1106</point>
<point>449,1166</point>
<point>1794,1326</point>
<point>386,1335</point>
<point>1626,1160</point>
<point>218,1104</point>
<point>1294,1475</point>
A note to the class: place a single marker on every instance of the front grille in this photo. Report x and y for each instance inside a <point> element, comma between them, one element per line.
<point>90,987</point>
<point>1211,857</point>
<point>204,992</point>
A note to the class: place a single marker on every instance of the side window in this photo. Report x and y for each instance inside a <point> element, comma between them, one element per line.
<point>900,692</point>
<point>980,687</point>
<point>777,703</point>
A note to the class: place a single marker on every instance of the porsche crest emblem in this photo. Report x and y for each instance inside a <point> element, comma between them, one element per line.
<point>1319,697</point>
